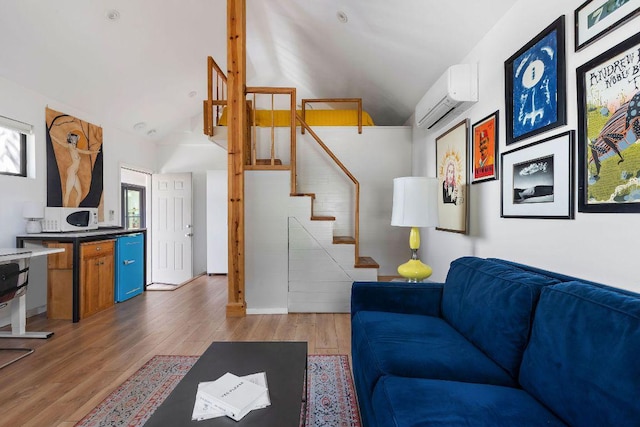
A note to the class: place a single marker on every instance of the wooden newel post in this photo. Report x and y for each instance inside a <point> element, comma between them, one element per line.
<point>237,113</point>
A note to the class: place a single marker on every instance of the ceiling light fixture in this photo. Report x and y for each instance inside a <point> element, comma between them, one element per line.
<point>113,15</point>
<point>342,17</point>
<point>139,126</point>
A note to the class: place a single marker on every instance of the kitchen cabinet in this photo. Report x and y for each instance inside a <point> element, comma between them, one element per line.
<point>65,271</point>
<point>59,281</point>
<point>96,277</point>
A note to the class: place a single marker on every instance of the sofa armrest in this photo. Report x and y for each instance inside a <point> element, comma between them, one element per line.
<point>397,297</point>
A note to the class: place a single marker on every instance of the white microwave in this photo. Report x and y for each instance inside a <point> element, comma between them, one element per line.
<point>69,219</point>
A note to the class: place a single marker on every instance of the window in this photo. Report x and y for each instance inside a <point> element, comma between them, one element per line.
<point>133,202</point>
<point>13,146</point>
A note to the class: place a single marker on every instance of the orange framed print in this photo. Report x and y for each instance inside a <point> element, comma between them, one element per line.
<point>484,149</point>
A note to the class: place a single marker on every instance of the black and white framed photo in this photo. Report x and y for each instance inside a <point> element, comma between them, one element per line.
<point>595,18</point>
<point>609,130</point>
<point>535,85</point>
<point>537,179</point>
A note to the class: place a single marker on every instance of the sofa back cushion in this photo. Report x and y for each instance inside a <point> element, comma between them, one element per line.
<point>559,276</point>
<point>582,359</point>
<point>492,305</point>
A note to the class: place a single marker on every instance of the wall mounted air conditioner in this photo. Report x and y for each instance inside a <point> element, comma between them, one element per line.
<point>455,91</point>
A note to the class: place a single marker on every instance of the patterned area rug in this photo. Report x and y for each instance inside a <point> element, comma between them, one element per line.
<point>331,396</point>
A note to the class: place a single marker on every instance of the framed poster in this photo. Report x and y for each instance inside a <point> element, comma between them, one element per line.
<point>452,167</point>
<point>535,85</point>
<point>595,18</point>
<point>484,149</point>
<point>537,179</point>
<point>609,130</point>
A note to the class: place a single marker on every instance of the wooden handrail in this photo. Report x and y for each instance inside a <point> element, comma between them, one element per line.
<point>220,96</point>
<point>209,103</point>
<point>358,101</point>
<point>346,171</point>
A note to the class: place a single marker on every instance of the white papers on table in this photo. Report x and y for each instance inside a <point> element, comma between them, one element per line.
<point>232,396</point>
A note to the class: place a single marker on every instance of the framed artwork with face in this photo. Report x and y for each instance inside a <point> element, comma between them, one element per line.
<point>452,166</point>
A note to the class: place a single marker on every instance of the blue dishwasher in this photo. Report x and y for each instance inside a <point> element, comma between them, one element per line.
<point>129,266</point>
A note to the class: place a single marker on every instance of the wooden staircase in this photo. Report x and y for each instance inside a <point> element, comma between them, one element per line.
<point>213,110</point>
<point>360,261</point>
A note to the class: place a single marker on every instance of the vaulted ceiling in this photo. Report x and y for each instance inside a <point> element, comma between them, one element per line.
<point>148,65</point>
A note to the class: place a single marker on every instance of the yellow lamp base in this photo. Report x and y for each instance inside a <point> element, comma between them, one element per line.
<point>414,270</point>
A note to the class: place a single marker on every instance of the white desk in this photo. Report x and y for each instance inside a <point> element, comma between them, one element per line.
<point>19,304</point>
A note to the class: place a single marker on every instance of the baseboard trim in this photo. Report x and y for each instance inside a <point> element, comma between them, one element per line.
<point>6,321</point>
<point>36,310</point>
<point>267,311</point>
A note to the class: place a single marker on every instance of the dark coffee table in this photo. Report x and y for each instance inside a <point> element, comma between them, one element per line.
<point>285,364</point>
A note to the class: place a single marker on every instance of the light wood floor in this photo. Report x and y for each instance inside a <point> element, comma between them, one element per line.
<point>71,372</point>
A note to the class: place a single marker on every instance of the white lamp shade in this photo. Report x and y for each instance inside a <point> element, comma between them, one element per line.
<point>32,210</point>
<point>414,202</point>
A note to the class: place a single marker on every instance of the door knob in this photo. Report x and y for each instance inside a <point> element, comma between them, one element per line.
<point>189,234</point>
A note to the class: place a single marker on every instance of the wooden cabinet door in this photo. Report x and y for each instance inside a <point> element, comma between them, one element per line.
<point>106,290</point>
<point>89,285</point>
<point>60,282</point>
<point>96,277</point>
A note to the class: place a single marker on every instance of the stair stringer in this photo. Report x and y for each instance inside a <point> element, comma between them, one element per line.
<point>320,272</point>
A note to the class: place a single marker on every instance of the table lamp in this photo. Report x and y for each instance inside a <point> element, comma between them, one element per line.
<point>33,212</point>
<point>414,205</point>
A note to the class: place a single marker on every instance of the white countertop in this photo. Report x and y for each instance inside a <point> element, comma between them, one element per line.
<point>12,254</point>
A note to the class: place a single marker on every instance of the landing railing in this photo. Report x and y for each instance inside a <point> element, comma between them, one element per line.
<point>357,101</point>
<point>220,100</point>
<point>217,97</point>
<point>271,161</point>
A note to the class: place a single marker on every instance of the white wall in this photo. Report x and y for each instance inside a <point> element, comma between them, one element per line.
<point>265,235</point>
<point>217,219</point>
<point>374,157</point>
<point>27,106</point>
<point>599,247</point>
<point>193,153</point>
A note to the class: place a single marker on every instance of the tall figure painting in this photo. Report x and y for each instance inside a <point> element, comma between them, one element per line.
<point>74,162</point>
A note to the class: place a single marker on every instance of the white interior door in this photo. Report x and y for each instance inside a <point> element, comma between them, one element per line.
<point>171,226</point>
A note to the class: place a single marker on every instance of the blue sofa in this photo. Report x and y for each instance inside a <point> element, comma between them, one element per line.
<point>497,344</point>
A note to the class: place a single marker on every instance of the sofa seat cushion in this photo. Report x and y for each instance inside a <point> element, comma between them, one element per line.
<point>492,305</point>
<point>410,345</point>
<point>582,360</point>
<point>409,402</point>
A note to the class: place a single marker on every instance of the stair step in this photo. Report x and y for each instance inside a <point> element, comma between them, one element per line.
<point>366,262</point>
<point>267,162</point>
<point>312,195</point>
<point>343,240</point>
<point>323,218</point>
